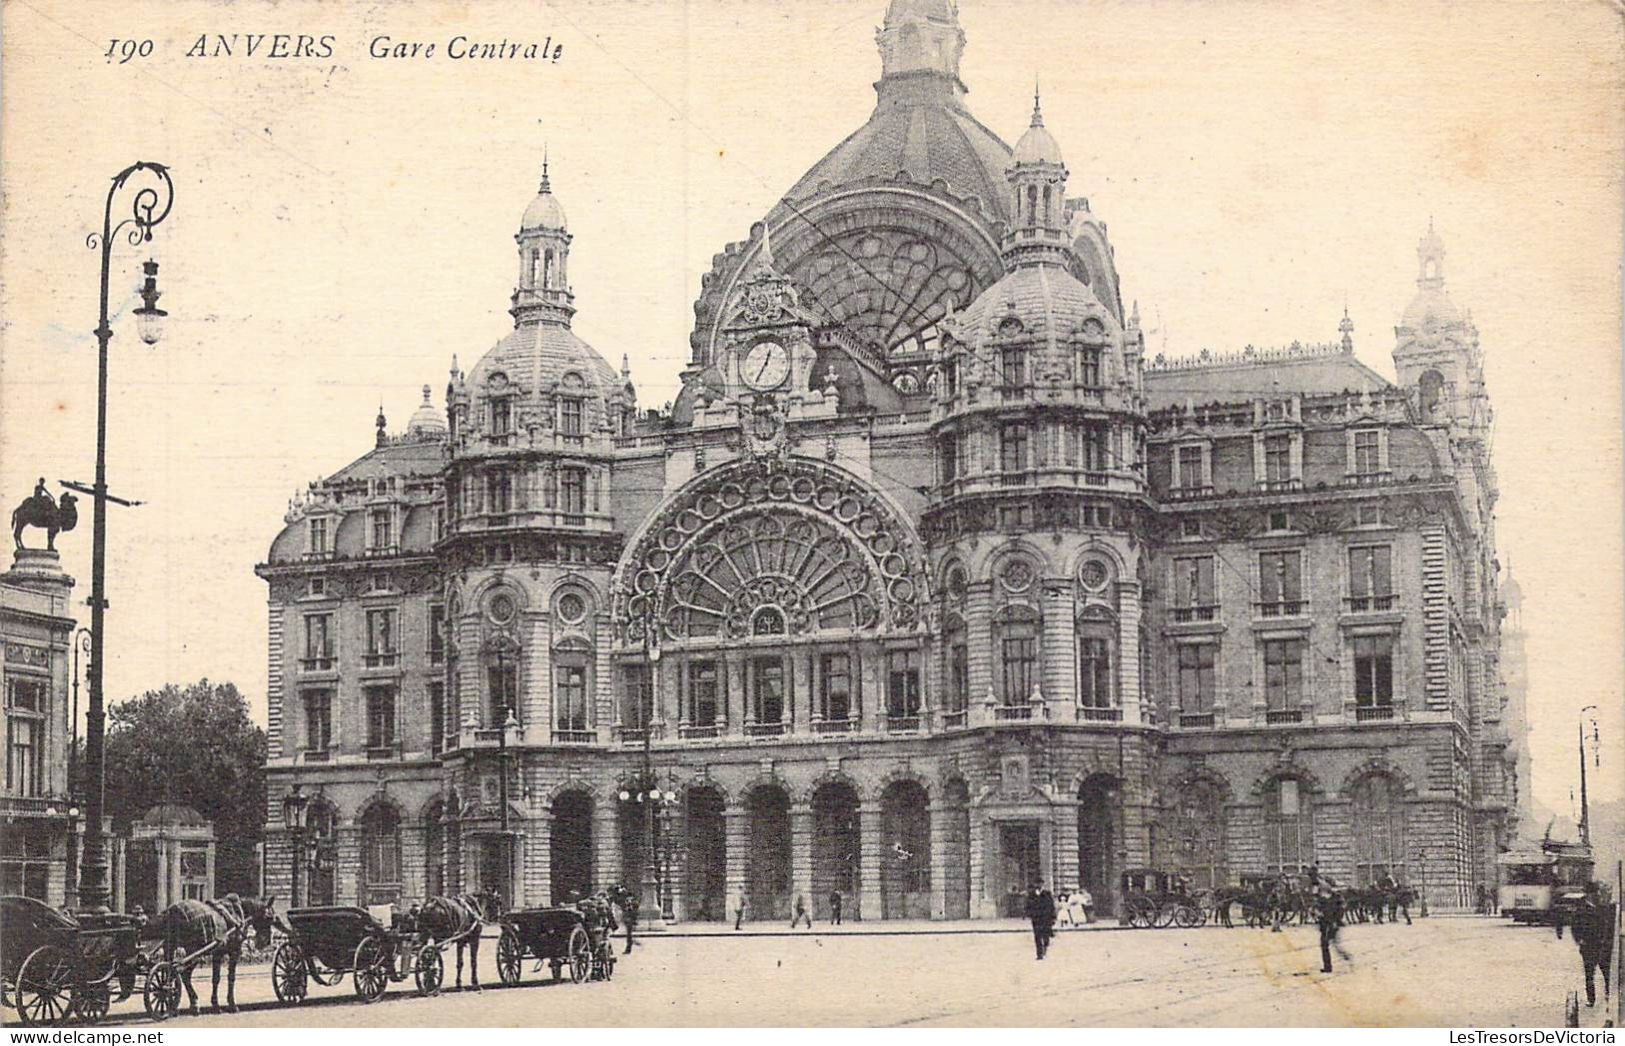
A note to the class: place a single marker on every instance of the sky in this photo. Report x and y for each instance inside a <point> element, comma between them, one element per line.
<point>343,227</point>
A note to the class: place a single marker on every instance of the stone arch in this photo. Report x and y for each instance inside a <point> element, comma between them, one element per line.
<point>572,785</point>
<point>1205,776</point>
<point>705,784</point>
<point>994,559</point>
<point>381,821</point>
<point>375,800</point>
<point>836,802</point>
<point>905,825</point>
<point>1100,795</point>
<point>834,778</point>
<point>1094,547</point>
<point>767,857</point>
<point>572,806</point>
<point>704,866</point>
<point>1377,765</point>
<point>1262,784</point>
<point>1289,821</point>
<point>901,773</point>
<point>473,597</point>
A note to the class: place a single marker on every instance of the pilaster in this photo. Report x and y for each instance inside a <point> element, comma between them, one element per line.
<point>869,856</point>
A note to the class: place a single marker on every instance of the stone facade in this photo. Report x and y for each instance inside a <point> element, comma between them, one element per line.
<point>929,584</point>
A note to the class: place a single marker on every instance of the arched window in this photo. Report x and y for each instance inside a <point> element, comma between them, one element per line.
<point>1289,828</point>
<point>1379,829</point>
<point>956,664</point>
<point>1046,204</point>
<point>1032,205</point>
<point>535,268</point>
<point>1432,390</point>
<point>1097,675</point>
<point>1016,641</point>
<point>547,270</point>
<point>380,855</point>
<point>1198,835</point>
<point>570,686</point>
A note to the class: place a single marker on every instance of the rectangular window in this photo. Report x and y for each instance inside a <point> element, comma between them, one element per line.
<point>703,693</point>
<point>1277,459</point>
<point>1196,677</point>
<point>319,640</point>
<point>383,529</point>
<point>1280,583</point>
<point>637,696</point>
<point>381,633</point>
<point>1020,662</point>
<point>835,687</point>
<point>903,684</point>
<point>1283,674</point>
<point>1096,455</point>
<point>318,720</point>
<point>1373,671</point>
<point>498,492</point>
<point>437,717</point>
<point>380,716</point>
<point>1367,452</point>
<point>571,696</point>
<point>1013,448</point>
<point>502,687</point>
<point>1089,368</point>
<point>1194,598</point>
<point>1094,672</point>
<point>948,454</point>
<point>959,676</point>
<point>318,535</point>
<point>437,633</point>
<point>1371,577</point>
<point>1188,468</point>
<point>1013,368</point>
<point>573,491</point>
<point>23,755</point>
<point>767,689</point>
<point>501,417</point>
<point>570,417</point>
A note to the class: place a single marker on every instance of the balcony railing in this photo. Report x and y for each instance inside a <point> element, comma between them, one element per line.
<point>575,737</point>
<point>381,752</point>
<point>1190,492</point>
<point>1283,608</point>
<point>1373,713</point>
<point>490,735</point>
<point>1201,721</point>
<point>1367,604</point>
<point>630,735</point>
<point>383,659</point>
<point>318,755</point>
<point>317,664</point>
<point>1012,713</point>
<point>697,730</point>
<point>1196,612</point>
<point>902,724</point>
<point>1089,714</point>
<point>1280,716</point>
<point>834,726</point>
<point>953,720</point>
<point>1280,484</point>
<point>766,729</point>
<point>1368,479</point>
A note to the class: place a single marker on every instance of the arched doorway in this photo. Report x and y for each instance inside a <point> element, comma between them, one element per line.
<point>767,869</point>
<point>1379,829</point>
<point>380,854</point>
<point>835,849</point>
<point>571,858</point>
<point>319,884</point>
<point>705,852</point>
<point>905,861</point>
<point>955,868</point>
<point>1099,823</point>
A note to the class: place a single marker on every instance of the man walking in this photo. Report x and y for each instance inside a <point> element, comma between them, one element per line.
<point>835,907</point>
<point>740,905</point>
<point>1040,911</point>
<point>1593,930</point>
<point>1329,916</point>
<point>801,913</point>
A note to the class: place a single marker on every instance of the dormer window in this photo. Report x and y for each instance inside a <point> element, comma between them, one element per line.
<point>1089,367</point>
<point>318,536</point>
<point>383,529</point>
<point>501,417</point>
<point>570,416</point>
<point>1190,468</point>
<point>1013,368</point>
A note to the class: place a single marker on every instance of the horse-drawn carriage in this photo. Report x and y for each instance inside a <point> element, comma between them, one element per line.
<point>328,942</point>
<point>561,938</point>
<point>54,966</point>
<point>1154,898</point>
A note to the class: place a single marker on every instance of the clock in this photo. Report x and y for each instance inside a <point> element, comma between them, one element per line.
<point>766,366</point>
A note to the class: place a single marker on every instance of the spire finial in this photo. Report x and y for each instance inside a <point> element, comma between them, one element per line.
<point>426,394</point>
<point>1038,116</point>
<point>381,423</point>
<point>546,184</point>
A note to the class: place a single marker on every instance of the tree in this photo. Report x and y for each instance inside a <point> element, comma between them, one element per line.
<point>194,745</point>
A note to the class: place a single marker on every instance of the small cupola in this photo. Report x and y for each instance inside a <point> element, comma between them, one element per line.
<point>543,294</point>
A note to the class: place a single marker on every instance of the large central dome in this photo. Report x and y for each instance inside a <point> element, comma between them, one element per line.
<point>920,125</point>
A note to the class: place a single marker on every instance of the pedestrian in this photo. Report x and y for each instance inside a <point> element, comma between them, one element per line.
<point>801,913</point>
<point>740,905</point>
<point>1040,910</point>
<point>1086,902</point>
<point>1063,908</point>
<point>1277,902</point>
<point>835,907</point>
<point>1329,916</point>
<point>1593,931</point>
<point>629,911</point>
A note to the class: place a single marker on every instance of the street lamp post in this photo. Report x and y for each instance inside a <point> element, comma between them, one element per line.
<point>149,207</point>
<point>509,722</point>
<point>649,917</point>
<point>293,819</point>
<point>1422,867</point>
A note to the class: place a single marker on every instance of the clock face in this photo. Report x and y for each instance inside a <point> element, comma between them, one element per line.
<point>766,365</point>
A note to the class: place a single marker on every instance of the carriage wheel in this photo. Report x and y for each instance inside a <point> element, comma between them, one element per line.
<point>90,1002</point>
<point>511,957</point>
<point>162,995</point>
<point>1165,914</point>
<point>430,969</point>
<point>1142,914</point>
<point>371,969</point>
<point>578,953</point>
<point>288,973</point>
<point>1189,917</point>
<point>44,994</point>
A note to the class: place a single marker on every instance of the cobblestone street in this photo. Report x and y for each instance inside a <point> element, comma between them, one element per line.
<point>1462,972</point>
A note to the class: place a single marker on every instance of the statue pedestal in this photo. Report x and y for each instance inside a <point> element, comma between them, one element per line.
<point>39,569</point>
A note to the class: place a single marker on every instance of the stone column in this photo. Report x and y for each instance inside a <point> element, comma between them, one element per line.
<point>1132,689</point>
<point>536,887</point>
<point>733,671</point>
<point>939,813</point>
<point>1059,665</point>
<point>606,839</point>
<point>736,835</point>
<point>1064,815</point>
<point>801,855</point>
<point>799,708</point>
<point>869,857</point>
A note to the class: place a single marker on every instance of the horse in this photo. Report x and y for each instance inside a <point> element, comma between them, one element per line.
<point>461,918</point>
<point>226,922</point>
